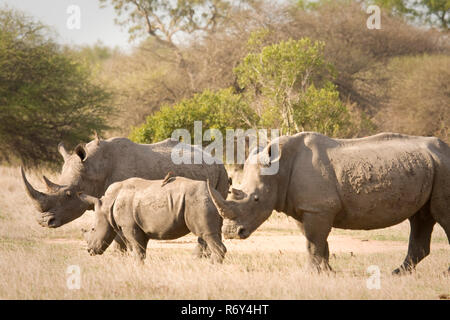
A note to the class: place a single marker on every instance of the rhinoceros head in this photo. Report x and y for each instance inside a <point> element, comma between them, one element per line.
<point>83,170</point>
<point>102,234</point>
<point>248,207</point>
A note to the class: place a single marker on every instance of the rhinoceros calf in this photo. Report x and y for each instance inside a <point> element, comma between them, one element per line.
<point>167,209</point>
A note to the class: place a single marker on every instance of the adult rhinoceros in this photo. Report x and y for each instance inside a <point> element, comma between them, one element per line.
<point>91,168</point>
<point>360,184</point>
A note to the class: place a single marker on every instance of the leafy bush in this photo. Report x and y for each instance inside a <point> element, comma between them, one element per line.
<point>220,110</point>
<point>286,86</point>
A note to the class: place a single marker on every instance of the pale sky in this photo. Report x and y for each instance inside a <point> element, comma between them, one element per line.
<point>96,24</point>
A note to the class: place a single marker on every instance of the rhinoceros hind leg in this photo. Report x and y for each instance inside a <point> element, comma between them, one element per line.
<point>422,224</point>
<point>202,250</point>
<point>317,227</point>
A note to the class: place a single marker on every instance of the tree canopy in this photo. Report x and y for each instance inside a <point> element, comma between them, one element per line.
<point>46,96</point>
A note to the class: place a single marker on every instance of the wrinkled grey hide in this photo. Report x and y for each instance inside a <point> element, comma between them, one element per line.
<point>91,168</point>
<point>155,209</point>
<point>359,184</point>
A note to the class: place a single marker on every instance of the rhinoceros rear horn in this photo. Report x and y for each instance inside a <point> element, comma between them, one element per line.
<point>223,207</point>
<point>52,187</point>
<point>39,198</point>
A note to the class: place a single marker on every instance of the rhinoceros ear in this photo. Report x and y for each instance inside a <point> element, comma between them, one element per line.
<point>80,151</point>
<point>90,200</point>
<point>96,137</point>
<point>271,153</point>
<point>62,150</point>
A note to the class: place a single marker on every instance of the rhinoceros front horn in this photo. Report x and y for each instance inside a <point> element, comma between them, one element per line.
<point>223,207</point>
<point>39,198</point>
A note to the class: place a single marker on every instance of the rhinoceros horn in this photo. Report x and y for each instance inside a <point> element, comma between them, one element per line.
<point>223,207</point>
<point>39,198</point>
<point>52,187</point>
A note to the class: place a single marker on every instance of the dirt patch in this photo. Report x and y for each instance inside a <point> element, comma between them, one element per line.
<point>64,241</point>
<point>294,243</point>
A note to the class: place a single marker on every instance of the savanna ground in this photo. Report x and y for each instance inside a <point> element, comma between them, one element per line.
<point>271,264</point>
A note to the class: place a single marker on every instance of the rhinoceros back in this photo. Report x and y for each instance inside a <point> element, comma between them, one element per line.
<point>154,161</point>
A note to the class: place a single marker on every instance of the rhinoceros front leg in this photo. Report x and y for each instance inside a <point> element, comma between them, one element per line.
<point>202,250</point>
<point>119,243</point>
<point>218,249</point>
<point>317,227</point>
<point>137,242</point>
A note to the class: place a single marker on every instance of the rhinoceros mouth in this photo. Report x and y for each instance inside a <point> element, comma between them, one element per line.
<point>242,233</point>
<point>235,232</point>
<point>49,221</point>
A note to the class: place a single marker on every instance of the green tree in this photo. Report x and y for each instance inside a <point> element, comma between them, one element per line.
<point>45,95</point>
<point>288,84</point>
<point>219,110</point>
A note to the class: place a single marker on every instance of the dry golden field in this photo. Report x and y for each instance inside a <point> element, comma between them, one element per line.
<point>268,265</point>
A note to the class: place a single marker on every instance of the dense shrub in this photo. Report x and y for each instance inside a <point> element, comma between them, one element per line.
<point>219,110</point>
<point>417,96</point>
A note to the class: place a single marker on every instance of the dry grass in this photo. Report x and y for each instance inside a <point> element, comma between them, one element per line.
<point>269,265</point>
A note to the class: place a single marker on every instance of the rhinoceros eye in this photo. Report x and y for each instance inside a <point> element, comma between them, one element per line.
<point>68,193</point>
<point>256,198</point>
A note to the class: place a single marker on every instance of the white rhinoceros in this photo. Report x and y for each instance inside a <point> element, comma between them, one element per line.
<point>368,183</point>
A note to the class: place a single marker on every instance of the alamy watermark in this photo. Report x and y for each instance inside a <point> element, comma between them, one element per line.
<point>73,280</point>
<point>183,153</point>
<point>374,280</point>
<point>74,19</point>
<point>374,20</point>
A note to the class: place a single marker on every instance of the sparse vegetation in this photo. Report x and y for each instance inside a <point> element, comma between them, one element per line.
<point>302,65</point>
<point>171,272</point>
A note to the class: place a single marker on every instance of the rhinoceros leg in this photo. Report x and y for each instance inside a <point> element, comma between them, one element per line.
<point>119,243</point>
<point>317,227</point>
<point>218,249</point>
<point>444,222</point>
<point>422,224</point>
<point>202,250</point>
<point>137,242</point>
